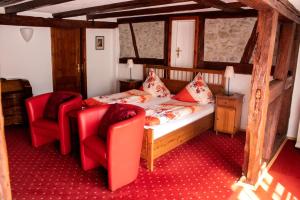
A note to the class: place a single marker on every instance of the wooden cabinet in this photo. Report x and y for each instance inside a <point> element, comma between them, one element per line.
<point>126,85</point>
<point>14,92</point>
<point>228,113</point>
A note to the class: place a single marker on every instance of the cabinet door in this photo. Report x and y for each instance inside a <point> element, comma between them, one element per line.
<point>225,119</point>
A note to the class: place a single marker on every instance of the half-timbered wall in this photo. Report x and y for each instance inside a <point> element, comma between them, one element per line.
<point>149,38</point>
<point>226,39</point>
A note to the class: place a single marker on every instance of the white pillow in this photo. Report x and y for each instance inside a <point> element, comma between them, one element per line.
<point>155,86</point>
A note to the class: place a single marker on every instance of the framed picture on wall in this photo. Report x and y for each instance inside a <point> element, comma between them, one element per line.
<point>99,43</point>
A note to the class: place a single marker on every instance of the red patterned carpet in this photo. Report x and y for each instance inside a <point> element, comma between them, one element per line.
<point>285,170</point>
<point>203,168</point>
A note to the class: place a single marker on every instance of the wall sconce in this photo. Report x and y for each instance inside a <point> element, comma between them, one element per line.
<point>26,33</point>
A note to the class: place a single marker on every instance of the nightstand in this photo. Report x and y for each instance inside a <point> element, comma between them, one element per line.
<point>126,85</point>
<point>228,113</point>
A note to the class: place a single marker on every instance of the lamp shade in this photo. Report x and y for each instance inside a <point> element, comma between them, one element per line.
<point>130,63</point>
<point>26,33</point>
<point>229,72</point>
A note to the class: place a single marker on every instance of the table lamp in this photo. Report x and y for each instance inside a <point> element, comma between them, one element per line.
<point>130,66</point>
<point>229,73</point>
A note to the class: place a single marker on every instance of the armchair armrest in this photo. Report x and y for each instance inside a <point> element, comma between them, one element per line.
<point>36,106</point>
<point>64,108</point>
<point>89,120</point>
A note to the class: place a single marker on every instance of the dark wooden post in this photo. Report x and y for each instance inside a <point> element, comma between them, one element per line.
<point>286,40</point>
<point>288,91</point>
<point>259,100</point>
<point>5,190</point>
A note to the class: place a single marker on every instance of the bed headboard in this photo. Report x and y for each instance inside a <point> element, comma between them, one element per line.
<point>176,78</point>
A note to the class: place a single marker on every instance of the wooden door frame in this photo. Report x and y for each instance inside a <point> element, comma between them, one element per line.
<point>196,18</point>
<point>83,62</point>
<point>83,58</point>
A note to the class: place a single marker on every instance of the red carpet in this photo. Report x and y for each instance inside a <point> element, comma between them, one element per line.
<point>286,169</point>
<point>204,168</point>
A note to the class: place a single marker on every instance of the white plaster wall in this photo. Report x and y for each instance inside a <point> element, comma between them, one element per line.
<point>28,60</point>
<point>124,73</point>
<point>241,83</point>
<point>101,64</point>
<point>32,60</point>
<point>295,106</point>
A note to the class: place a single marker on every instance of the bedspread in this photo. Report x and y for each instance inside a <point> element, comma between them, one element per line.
<point>163,113</point>
<point>128,97</point>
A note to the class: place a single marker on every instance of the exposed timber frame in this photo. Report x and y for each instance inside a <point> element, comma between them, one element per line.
<point>4,3</point>
<point>269,99</point>
<point>29,5</point>
<point>50,22</point>
<point>277,86</point>
<point>241,68</point>
<point>259,100</point>
<point>248,52</point>
<point>126,5</point>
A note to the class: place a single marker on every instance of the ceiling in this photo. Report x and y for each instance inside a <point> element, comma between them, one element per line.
<point>79,4</point>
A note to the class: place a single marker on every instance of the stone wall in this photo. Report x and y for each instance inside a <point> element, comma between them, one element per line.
<point>225,39</point>
<point>149,36</point>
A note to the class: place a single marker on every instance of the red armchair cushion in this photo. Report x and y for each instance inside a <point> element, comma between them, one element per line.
<point>53,103</point>
<point>46,124</point>
<point>96,148</point>
<point>115,113</point>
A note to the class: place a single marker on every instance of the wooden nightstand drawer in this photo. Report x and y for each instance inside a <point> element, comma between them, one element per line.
<point>226,102</point>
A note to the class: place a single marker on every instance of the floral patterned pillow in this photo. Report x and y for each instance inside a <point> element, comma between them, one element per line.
<point>196,91</point>
<point>155,86</point>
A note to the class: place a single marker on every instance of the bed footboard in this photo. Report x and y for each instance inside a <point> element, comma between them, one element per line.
<point>153,149</point>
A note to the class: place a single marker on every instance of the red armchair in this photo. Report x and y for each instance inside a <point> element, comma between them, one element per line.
<point>120,152</point>
<point>43,130</point>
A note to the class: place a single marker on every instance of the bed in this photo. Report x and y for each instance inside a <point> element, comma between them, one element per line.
<point>175,79</point>
<point>162,138</point>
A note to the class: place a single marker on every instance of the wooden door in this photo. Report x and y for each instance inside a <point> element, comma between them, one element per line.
<point>68,60</point>
<point>225,119</point>
<point>182,43</point>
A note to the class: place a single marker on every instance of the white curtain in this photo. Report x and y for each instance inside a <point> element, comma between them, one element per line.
<point>298,137</point>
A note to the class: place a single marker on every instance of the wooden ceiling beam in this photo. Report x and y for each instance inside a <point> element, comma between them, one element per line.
<point>17,20</point>
<point>127,5</point>
<point>219,4</point>
<point>149,11</point>
<point>207,14</point>
<point>30,5</point>
<point>9,2</point>
<point>283,7</point>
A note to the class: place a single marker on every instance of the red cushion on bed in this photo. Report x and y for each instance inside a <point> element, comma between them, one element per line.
<point>115,113</point>
<point>184,95</point>
<point>196,91</point>
<point>54,101</point>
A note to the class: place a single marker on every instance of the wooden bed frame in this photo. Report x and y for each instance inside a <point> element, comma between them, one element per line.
<point>176,78</point>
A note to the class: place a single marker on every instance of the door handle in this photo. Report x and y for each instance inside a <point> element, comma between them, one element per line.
<point>78,68</point>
